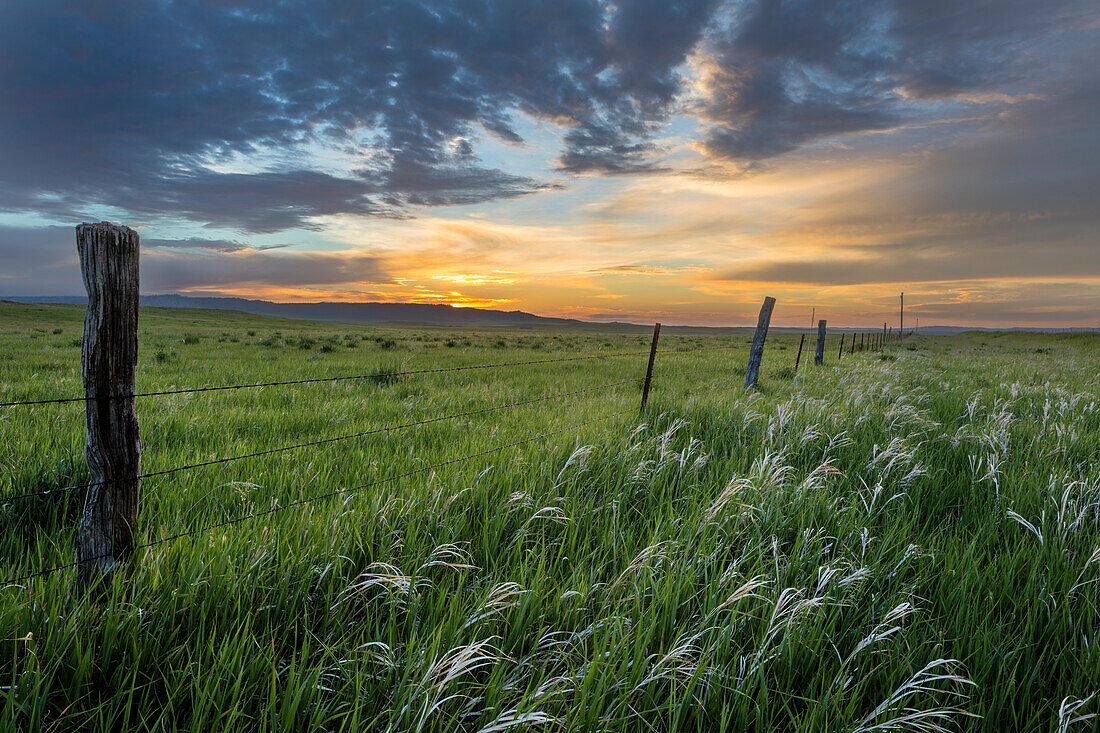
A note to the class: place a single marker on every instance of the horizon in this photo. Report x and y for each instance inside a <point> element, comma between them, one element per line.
<point>637,162</point>
<point>836,327</point>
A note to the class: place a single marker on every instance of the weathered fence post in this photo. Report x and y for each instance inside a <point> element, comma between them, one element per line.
<point>819,354</point>
<point>901,318</point>
<point>852,348</point>
<point>840,352</point>
<point>798,358</point>
<point>649,369</point>
<point>861,335</point>
<point>107,529</point>
<point>756,352</point>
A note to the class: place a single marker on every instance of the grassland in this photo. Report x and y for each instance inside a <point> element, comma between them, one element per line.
<point>901,539</point>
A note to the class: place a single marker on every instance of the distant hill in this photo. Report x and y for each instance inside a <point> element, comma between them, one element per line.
<point>429,313</point>
<point>447,315</point>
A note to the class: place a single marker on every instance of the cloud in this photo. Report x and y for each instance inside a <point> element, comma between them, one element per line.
<point>49,265</point>
<point>144,107</point>
<point>198,243</point>
<point>174,272</point>
<point>640,270</point>
<point>137,106</point>
<point>791,73</point>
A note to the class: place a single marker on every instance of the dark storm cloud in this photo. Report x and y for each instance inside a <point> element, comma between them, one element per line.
<point>126,103</point>
<point>133,104</point>
<point>795,71</point>
<point>49,264</point>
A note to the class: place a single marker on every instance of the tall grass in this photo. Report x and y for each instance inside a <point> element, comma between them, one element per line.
<point>901,544</point>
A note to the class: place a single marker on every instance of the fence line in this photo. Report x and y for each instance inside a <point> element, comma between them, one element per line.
<point>407,373</point>
<point>321,441</point>
<point>373,431</point>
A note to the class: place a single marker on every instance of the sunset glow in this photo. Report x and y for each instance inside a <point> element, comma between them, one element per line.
<point>691,161</point>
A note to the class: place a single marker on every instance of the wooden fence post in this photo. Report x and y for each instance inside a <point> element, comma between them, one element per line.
<point>107,529</point>
<point>861,342</point>
<point>852,348</point>
<point>649,369</point>
<point>756,352</point>
<point>819,354</point>
<point>840,352</point>
<point>798,358</point>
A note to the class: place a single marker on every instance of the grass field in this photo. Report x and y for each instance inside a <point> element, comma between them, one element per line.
<point>899,541</point>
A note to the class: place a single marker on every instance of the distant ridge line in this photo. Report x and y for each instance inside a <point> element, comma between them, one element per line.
<point>441,314</point>
<point>427,313</point>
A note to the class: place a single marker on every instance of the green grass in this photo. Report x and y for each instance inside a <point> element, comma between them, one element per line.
<point>844,547</point>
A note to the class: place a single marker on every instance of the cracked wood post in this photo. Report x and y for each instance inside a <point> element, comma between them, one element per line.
<point>649,369</point>
<point>819,354</point>
<point>107,529</point>
<point>756,352</point>
<point>798,358</point>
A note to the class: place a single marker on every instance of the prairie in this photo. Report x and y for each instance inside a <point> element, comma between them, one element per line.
<point>905,539</point>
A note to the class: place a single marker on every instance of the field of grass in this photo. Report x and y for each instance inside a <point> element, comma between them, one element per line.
<point>905,540</point>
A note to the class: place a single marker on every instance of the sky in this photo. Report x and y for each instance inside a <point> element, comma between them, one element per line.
<point>669,160</point>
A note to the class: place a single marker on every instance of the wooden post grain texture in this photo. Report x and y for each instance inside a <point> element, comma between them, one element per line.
<point>109,264</point>
<point>801,340</point>
<point>649,368</point>
<point>819,353</point>
<point>756,352</point>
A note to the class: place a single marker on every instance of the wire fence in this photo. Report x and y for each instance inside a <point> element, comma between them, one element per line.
<point>316,380</point>
<point>13,498</point>
<point>327,495</point>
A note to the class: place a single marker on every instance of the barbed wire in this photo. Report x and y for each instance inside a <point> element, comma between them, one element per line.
<point>309,500</point>
<point>321,441</point>
<point>375,375</point>
<point>683,372</point>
